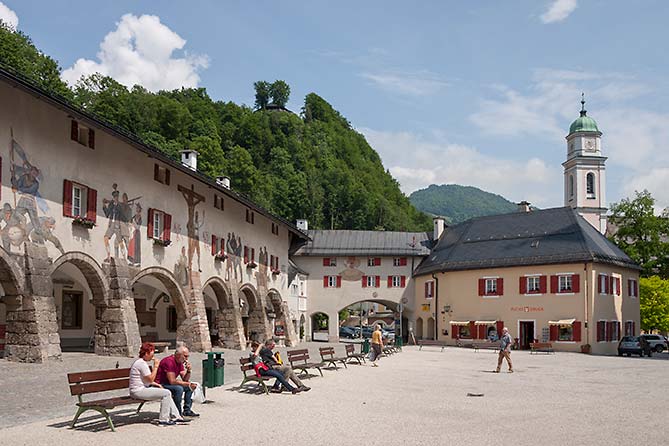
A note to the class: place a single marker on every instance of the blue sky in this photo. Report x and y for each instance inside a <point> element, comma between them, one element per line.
<point>479,92</point>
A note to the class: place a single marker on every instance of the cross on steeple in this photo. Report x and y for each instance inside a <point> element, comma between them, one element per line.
<point>583,111</point>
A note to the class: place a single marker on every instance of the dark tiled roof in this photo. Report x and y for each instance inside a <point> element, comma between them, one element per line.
<point>365,243</point>
<point>550,236</point>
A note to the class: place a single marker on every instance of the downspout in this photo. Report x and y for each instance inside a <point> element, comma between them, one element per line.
<point>586,324</point>
<point>436,306</point>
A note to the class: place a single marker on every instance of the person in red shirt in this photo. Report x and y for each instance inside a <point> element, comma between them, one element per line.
<point>174,375</point>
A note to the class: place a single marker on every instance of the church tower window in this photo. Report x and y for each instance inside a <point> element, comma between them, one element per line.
<point>590,185</point>
<point>571,186</point>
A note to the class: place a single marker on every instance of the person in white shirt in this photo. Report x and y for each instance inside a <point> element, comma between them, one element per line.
<point>143,387</point>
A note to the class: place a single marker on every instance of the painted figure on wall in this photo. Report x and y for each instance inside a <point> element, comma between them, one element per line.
<point>238,256</point>
<point>181,268</point>
<point>47,225</point>
<point>193,225</point>
<point>351,273</point>
<point>13,227</point>
<point>135,246</point>
<point>119,212</point>
<point>261,275</point>
<point>230,251</point>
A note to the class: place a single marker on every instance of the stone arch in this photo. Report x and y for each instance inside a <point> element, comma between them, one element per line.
<point>228,320</point>
<point>282,318</point>
<point>166,278</point>
<point>95,277</point>
<point>419,328</point>
<point>318,331</point>
<point>12,278</point>
<point>256,325</point>
<point>430,328</point>
<point>302,327</point>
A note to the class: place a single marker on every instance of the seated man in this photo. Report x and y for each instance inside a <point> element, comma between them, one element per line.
<point>268,358</point>
<point>173,375</point>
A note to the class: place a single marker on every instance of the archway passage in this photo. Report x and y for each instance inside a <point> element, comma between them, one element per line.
<point>358,319</point>
<point>283,328</point>
<point>224,318</point>
<point>320,324</point>
<point>256,323</point>
<point>302,328</point>
<point>430,328</point>
<point>419,328</point>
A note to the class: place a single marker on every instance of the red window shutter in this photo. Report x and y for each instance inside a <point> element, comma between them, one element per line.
<point>618,325</point>
<point>326,261</point>
<point>213,244</point>
<point>481,287</point>
<point>74,131</point>
<point>500,287</point>
<point>149,224</point>
<point>522,285</point>
<point>378,281</point>
<point>454,331</point>
<point>554,284</point>
<point>167,227</point>
<point>403,281</point>
<point>576,327</point>
<point>609,285</point>
<point>609,330</point>
<point>599,284</point>
<point>325,281</point>
<point>167,177</point>
<point>253,254</point>
<point>629,287</point>
<point>67,197</point>
<point>427,289</point>
<point>91,138</point>
<point>554,333</point>
<point>636,288</point>
<point>472,330</point>
<point>156,172</point>
<point>576,283</point>
<point>246,254</point>
<point>377,261</point>
<point>633,328</point>
<point>403,261</point>
<point>390,281</point>
<point>364,281</point>
<point>543,286</point>
<point>338,281</point>
<point>618,287</point>
<point>481,330</point>
<point>92,205</point>
<point>599,331</point>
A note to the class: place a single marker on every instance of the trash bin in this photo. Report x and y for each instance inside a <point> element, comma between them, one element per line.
<point>212,370</point>
<point>365,346</point>
<point>398,342</point>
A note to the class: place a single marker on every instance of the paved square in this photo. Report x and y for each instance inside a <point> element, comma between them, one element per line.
<point>413,398</point>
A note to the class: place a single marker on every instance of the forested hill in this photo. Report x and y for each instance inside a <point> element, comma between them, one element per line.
<point>459,203</point>
<point>312,165</point>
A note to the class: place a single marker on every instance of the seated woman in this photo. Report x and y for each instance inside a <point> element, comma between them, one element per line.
<point>263,370</point>
<point>143,387</point>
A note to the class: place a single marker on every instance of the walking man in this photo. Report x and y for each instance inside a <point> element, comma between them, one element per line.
<point>504,350</point>
<point>377,345</point>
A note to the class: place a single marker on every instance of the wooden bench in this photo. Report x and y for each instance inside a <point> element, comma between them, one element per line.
<point>328,357</point>
<point>351,355</point>
<point>430,343</point>
<point>299,360</point>
<point>485,345</point>
<point>249,372</point>
<point>83,383</point>
<point>543,347</point>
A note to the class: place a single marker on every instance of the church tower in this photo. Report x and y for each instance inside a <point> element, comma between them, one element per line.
<point>585,171</point>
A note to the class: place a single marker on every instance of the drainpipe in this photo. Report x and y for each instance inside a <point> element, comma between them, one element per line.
<point>436,306</point>
<point>586,324</point>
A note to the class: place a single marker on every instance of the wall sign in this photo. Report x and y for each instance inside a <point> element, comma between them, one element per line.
<point>528,309</point>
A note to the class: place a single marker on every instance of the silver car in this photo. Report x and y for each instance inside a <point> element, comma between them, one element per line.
<point>657,342</point>
<point>636,345</point>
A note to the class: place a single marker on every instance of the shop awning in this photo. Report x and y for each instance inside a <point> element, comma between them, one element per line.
<point>485,322</point>
<point>459,322</point>
<point>562,322</point>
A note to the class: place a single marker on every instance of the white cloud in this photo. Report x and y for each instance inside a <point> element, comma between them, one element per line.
<point>417,162</point>
<point>141,51</point>
<point>8,16</point>
<point>420,83</point>
<point>559,10</point>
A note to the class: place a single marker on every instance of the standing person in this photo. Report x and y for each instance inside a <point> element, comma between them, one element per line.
<point>263,369</point>
<point>269,358</point>
<point>174,375</point>
<point>143,386</point>
<point>504,350</point>
<point>377,344</point>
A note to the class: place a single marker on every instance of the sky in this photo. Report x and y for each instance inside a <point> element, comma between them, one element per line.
<point>475,93</point>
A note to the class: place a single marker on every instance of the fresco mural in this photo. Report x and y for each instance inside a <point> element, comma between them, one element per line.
<point>181,268</point>
<point>194,224</point>
<point>22,222</point>
<point>261,275</point>
<point>121,221</point>
<point>351,273</point>
<point>234,248</point>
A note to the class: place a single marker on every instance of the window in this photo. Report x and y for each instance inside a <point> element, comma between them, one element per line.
<point>275,229</point>
<point>632,288</point>
<point>615,285</point>
<point>429,289</point>
<point>274,263</point>
<point>79,201</point>
<point>601,331</point>
<point>218,202</point>
<point>329,261</point>
<point>161,174</point>
<point>171,319</point>
<point>396,281</point>
<point>332,281</point>
<point>250,217</point>
<point>82,134</point>
<point>399,261</point>
<point>371,281</point>
<point>72,310</point>
<point>463,331</point>
<point>614,331</point>
<point>629,328</point>
<point>571,186</point>
<point>590,185</point>
<point>374,261</point>
<point>217,245</point>
<point>159,225</point>
<point>490,286</point>
<point>534,284</point>
<point>603,284</point>
<point>566,332</point>
<point>565,284</point>
<point>293,289</point>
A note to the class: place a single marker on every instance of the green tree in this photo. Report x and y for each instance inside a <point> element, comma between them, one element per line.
<point>344,315</point>
<point>654,303</point>
<point>262,94</point>
<point>642,234</point>
<point>279,91</point>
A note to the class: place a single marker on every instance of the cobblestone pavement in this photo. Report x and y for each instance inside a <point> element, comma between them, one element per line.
<point>413,398</point>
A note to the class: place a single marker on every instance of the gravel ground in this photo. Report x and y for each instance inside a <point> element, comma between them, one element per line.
<point>413,398</point>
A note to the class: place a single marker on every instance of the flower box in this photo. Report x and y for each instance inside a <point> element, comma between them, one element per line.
<point>251,264</point>
<point>221,257</point>
<point>83,222</point>
<point>161,242</point>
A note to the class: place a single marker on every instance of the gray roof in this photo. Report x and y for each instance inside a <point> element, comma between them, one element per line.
<point>365,243</point>
<point>294,270</point>
<point>541,237</point>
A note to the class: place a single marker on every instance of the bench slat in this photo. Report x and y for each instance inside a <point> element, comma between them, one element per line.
<point>110,403</point>
<point>100,386</point>
<point>98,375</point>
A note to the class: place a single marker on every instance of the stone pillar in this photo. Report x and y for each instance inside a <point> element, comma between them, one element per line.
<point>260,327</point>
<point>116,326</point>
<point>32,325</point>
<point>333,327</point>
<point>290,333</point>
<point>230,327</point>
<point>194,330</point>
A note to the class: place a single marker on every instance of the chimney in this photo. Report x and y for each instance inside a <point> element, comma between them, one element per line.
<point>524,206</point>
<point>223,181</point>
<point>439,226</point>
<point>189,159</point>
<point>302,225</point>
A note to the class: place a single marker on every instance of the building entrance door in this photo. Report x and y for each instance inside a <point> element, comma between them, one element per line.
<point>526,334</point>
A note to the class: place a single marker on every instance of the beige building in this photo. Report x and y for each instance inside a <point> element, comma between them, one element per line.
<point>107,242</point>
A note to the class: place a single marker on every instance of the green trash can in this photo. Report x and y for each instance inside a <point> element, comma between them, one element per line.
<point>365,346</point>
<point>212,370</point>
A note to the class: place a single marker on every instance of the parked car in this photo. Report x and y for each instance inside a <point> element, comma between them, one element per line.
<point>347,332</point>
<point>634,345</point>
<point>657,342</point>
